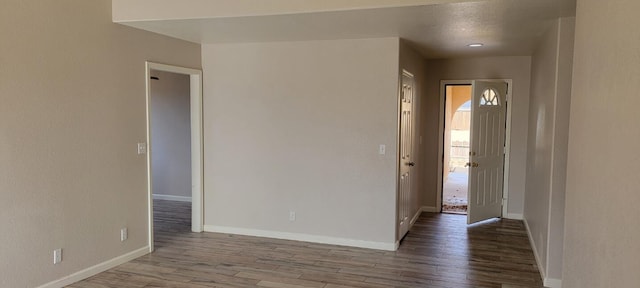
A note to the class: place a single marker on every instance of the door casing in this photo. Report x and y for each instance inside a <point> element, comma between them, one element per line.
<point>505,192</point>
<point>197,170</point>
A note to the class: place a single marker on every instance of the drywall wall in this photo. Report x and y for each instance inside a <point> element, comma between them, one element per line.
<point>72,89</point>
<point>412,62</point>
<point>560,147</point>
<point>547,145</point>
<point>517,68</point>
<point>296,126</point>
<point>138,10</point>
<point>601,216</point>
<point>540,142</point>
<point>170,135</point>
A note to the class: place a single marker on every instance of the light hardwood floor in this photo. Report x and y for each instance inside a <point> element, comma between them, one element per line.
<point>439,251</point>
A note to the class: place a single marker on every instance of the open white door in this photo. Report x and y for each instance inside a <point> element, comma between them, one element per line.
<point>486,156</point>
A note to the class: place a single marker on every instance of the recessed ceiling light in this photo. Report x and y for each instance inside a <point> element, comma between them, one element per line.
<point>476,45</point>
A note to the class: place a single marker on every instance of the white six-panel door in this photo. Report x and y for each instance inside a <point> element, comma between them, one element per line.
<point>486,159</point>
<point>406,153</point>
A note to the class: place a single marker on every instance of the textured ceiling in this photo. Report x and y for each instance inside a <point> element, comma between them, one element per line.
<point>506,27</point>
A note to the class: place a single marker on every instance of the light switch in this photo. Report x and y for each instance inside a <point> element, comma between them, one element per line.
<point>382,149</point>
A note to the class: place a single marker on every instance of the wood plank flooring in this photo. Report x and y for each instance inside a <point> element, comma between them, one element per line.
<point>439,251</point>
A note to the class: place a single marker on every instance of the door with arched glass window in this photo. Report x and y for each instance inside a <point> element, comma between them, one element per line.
<point>487,150</point>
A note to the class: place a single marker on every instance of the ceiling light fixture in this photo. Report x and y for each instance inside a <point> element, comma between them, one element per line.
<point>476,45</point>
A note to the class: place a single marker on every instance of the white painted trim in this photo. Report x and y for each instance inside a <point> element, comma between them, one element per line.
<point>415,218</point>
<point>535,251</point>
<point>303,237</point>
<point>507,154</point>
<point>197,146</point>
<point>197,152</point>
<point>93,270</point>
<point>171,198</point>
<point>552,283</point>
<point>430,209</point>
<point>514,216</point>
<point>505,185</point>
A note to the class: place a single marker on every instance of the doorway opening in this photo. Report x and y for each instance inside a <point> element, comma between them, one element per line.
<point>486,151</point>
<point>174,151</point>
<point>171,157</point>
<point>455,176</point>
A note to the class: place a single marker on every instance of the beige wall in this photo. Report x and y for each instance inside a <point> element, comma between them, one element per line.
<point>518,69</point>
<point>601,220</point>
<point>547,147</point>
<point>413,62</point>
<point>72,96</point>
<point>459,96</point>
<point>448,119</point>
<point>295,126</point>
<point>171,134</point>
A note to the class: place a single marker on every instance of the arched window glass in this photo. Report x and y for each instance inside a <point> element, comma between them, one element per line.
<point>489,98</point>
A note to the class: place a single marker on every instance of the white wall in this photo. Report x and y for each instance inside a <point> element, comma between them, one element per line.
<point>549,109</point>
<point>72,89</point>
<point>295,126</point>
<point>171,135</point>
<point>518,69</point>
<point>601,220</point>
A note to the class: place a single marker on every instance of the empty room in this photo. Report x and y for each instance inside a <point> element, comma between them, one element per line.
<point>329,144</point>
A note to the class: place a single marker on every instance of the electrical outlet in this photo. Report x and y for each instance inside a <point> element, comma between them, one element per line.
<point>123,234</point>
<point>57,256</point>
<point>142,148</point>
<point>292,216</point>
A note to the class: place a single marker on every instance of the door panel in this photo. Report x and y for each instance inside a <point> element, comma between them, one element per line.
<point>486,159</point>
<point>406,154</point>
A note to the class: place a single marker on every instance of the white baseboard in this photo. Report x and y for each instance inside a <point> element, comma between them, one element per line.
<point>171,198</point>
<point>514,216</point>
<point>93,270</point>
<point>535,250</point>
<point>430,209</point>
<point>552,283</point>
<point>415,218</point>
<point>303,237</point>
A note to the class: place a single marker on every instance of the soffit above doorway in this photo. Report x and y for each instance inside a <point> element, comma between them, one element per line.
<point>442,29</point>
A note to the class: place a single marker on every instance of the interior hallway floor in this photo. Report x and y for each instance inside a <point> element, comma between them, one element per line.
<point>439,251</point>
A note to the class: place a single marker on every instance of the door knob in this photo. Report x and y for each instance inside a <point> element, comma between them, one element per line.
<point>411,164</point>
<point>474,164</point>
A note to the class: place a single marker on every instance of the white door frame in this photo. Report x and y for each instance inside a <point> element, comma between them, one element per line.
<point>505,192</point>
<point>197,191</point>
